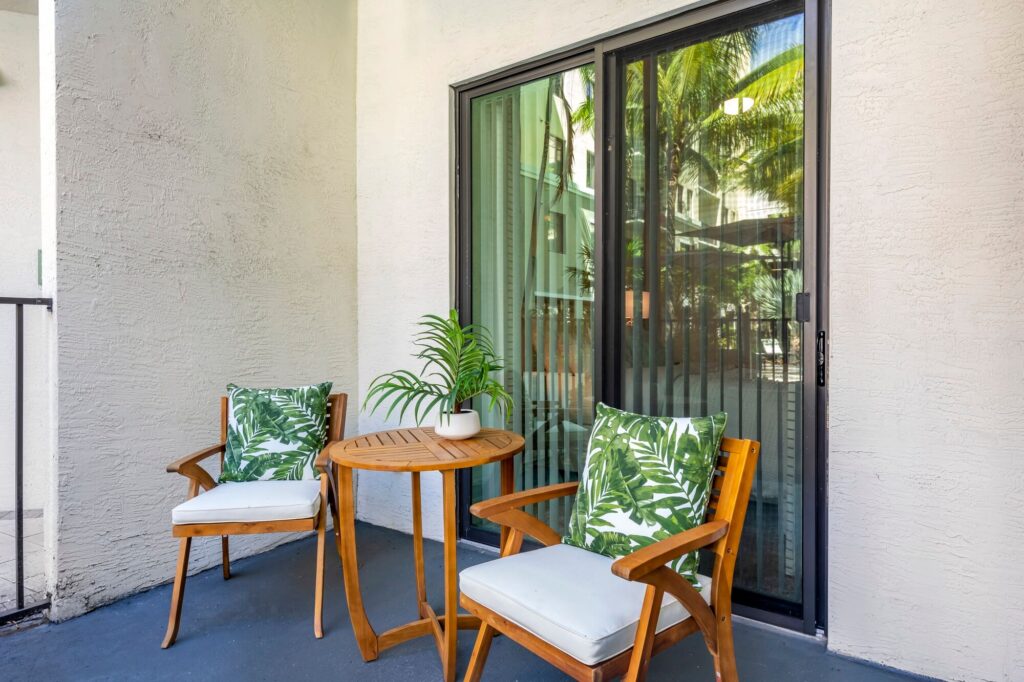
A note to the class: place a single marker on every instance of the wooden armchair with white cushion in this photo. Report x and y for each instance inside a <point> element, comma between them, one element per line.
<point>254,506</point>
<point>595,617</point>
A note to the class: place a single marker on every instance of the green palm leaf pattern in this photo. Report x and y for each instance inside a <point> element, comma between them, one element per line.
<point>645,479</point>
<point>274,433</point>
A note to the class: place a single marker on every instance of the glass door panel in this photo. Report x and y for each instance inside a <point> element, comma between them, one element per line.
<point>706,256</point>
<point>712,246</point>
<point>532,236</point>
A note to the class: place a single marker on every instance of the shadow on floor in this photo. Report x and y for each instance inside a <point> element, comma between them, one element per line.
<point>259,626</point>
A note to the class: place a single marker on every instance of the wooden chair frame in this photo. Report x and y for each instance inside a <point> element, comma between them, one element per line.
<point>721,533</point>
<point>200,478</point>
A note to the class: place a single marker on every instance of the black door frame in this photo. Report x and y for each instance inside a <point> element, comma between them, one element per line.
<point>606,53</point>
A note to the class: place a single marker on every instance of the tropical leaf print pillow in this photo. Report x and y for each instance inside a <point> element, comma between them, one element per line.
<point>645,479</point>
<point>274,433</point>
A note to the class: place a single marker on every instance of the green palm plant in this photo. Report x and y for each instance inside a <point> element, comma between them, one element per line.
<point>583,274</point>
<point>458,364</point>
<point>775,296</point>
<point>754,151</point>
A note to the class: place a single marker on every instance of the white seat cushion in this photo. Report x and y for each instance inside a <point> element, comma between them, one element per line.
<point>251,501</point>
<point>570,598</point>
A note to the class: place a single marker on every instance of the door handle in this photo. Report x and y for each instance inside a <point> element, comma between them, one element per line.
<point>820,357</point>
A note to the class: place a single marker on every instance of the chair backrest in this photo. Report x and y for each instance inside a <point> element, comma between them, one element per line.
<point>337,405</point>
<point>730,494</point>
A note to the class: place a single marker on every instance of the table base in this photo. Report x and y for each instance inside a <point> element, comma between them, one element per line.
<point>429,623</point>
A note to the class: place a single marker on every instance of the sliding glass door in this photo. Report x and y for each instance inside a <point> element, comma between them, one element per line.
<point>532,235</point>
<point>664,269</point>
<point>712,227</point>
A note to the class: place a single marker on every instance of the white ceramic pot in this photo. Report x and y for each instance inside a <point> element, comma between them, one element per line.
<point>457,426</point>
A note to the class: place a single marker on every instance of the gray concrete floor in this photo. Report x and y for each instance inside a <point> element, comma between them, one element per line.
<point>258,626</point>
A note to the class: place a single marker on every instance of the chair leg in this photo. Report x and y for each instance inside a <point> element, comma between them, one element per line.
<point>725,659</point>
<point>480,651</point>
<point>646,629</point>
<point>318,599</point>
<point>177,593</point>
<point>225,558</point>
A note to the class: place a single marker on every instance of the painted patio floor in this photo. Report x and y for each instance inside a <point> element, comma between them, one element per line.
<point>258,626</point>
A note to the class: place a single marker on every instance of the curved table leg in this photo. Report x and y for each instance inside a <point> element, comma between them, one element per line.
<point>364,633</point>
<point>451,577</point>
<point>417,545</point>
<point>508,486</point>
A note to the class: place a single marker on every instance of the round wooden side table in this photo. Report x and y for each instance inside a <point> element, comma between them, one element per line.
<point>415,450</point>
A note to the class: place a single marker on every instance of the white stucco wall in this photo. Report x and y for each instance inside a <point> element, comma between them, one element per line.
<point>927,381</point>
<point>48,242</point>
<point>205,234</point>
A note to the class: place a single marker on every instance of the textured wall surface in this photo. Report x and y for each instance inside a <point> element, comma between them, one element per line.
<point>926,466</point>
<point>409,54</point>
<point>205,234</point>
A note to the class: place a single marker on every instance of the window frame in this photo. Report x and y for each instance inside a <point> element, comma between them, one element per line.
<point>606,52</point>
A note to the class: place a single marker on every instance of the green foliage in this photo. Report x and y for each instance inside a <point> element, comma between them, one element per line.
<point>458,364</point>
<point>759,152</point>
<point>771,293</point>
<point>275,433</point>
<point>645,479</point>
<point>583,116</point>
<point>583,274</point>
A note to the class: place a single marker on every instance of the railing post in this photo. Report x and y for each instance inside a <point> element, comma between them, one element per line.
<point>20,610</point>
<point>19,443</point>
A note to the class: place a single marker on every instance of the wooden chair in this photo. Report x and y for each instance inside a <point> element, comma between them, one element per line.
<point>560,579</point>
<point>247,508</point>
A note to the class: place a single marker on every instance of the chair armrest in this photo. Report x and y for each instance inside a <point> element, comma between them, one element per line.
<point>643,561</point>
<point>323,460</point>
<point>487,509</point>
<point>507,511</point>
<point>189,466</point>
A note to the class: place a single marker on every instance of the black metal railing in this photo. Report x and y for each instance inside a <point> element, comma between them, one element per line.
<point>21,608</point>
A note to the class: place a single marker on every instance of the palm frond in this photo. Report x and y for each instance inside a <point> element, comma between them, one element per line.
<point>458,364</point>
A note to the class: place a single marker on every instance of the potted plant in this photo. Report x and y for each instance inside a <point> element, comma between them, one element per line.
<point>458,364</point>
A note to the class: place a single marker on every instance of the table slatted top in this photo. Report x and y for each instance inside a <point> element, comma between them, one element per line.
<point>420,449</point>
